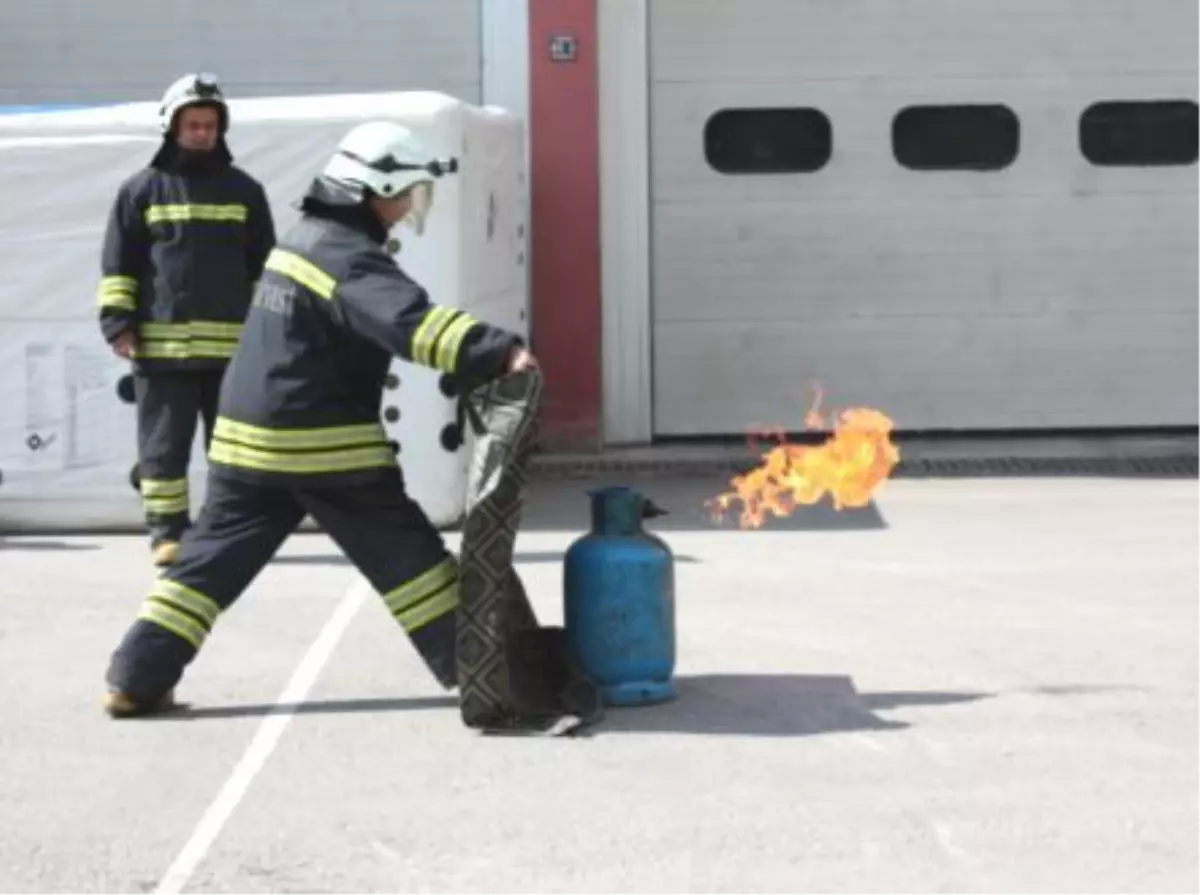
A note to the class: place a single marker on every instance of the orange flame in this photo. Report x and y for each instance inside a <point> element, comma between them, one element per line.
<point>850,467</point>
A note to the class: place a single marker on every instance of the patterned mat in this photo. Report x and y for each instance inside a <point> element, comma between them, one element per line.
<point>514,676</point>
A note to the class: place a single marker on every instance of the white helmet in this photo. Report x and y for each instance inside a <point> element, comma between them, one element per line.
<point>387,159</point>
<point>192,90</point>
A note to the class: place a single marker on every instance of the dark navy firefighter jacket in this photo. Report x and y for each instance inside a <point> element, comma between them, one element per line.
<point>185,241</point>
<point>300,401</point>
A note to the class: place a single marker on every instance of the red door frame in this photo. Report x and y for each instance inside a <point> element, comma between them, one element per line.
<point>565,221</point>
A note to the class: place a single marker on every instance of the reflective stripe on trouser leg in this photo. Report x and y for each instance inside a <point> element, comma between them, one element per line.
<point>425,607</point>
<point>172,624</point>
<point>393,544</point>
<point>183,611</point>
<point>235,536</point>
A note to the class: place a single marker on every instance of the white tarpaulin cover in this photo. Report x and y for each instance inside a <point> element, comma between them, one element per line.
<point>67,438</point>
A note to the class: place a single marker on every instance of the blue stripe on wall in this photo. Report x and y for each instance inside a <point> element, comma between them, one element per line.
<point>48,107</point>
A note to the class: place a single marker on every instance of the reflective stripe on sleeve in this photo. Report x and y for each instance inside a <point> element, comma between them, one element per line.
<point>118,292</point>
<point>164,497</point>
<point>438,337</point>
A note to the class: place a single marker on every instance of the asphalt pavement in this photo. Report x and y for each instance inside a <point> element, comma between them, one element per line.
<point>971,685</point>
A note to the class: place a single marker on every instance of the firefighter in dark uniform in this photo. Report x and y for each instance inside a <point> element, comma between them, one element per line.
<point>299,432</point>
<point>186,240</point>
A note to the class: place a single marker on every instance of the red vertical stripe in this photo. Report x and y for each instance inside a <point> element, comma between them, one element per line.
<point>565,224</point>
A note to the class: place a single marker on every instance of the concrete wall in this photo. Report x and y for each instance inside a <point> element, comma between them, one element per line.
<point>66,51</point>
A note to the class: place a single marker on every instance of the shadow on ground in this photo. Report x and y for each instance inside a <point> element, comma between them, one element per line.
<point>772,705</point>
<point>31,544</point>
<point>767,705</point>
<point>528,556</point>
<point>185,712</point>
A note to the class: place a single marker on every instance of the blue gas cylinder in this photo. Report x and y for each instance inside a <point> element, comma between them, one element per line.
<point>619,601</point>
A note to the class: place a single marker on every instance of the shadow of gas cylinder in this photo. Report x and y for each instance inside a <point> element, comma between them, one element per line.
<point>619,600</point>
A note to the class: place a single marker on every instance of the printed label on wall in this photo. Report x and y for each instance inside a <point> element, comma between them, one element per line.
<point>66,418</point>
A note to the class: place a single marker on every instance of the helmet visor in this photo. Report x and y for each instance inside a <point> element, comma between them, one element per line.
<point>421,199</point>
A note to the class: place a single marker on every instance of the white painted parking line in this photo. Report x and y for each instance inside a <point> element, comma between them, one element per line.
<point>266,738</point>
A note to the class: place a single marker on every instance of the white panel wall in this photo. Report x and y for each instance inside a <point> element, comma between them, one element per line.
<point>1052,293</point>
<point>83,50</point>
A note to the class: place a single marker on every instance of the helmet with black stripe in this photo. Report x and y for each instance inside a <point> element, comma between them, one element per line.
<point>199,89</point>
<point>386,159</point>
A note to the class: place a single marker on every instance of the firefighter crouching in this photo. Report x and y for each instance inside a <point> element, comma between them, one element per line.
<point>298,429</point>
<point>185,241</point>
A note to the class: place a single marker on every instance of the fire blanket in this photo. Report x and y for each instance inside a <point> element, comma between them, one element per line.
<point>513,675</point>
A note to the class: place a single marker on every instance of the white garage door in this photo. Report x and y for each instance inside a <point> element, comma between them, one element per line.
<point>83,51</point>
<point>920,206</point>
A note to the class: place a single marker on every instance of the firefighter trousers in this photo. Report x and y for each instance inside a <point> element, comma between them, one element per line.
<point>169,405</point>
<point>379,528</point>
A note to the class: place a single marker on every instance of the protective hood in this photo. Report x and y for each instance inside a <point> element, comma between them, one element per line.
<point>335,201</point>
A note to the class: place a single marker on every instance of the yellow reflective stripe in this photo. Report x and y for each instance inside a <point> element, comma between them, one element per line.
<point>120,302</point>
<point>426,598</point>
<point>163,497</point>
<point>163,487</point>
<point>192,348</point>
<point>427,331</point>
<point>118,284</point>
<point>215,339</point>
<point>347,460</point>
<point>156,214</point>
<point>304,272</point>
<point>184,598</point>
<point>174,621</point>
<point>451,341</point>
<point>439,336</point>
<point>355,435</point>
<point>181,610</point>
<point>165,506</point>
<point>117,291</point>
<point>429,581</point>
<point>215,329</point>
<point>211,329</point>
<point>431,610</point>
<point>310,450</point>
